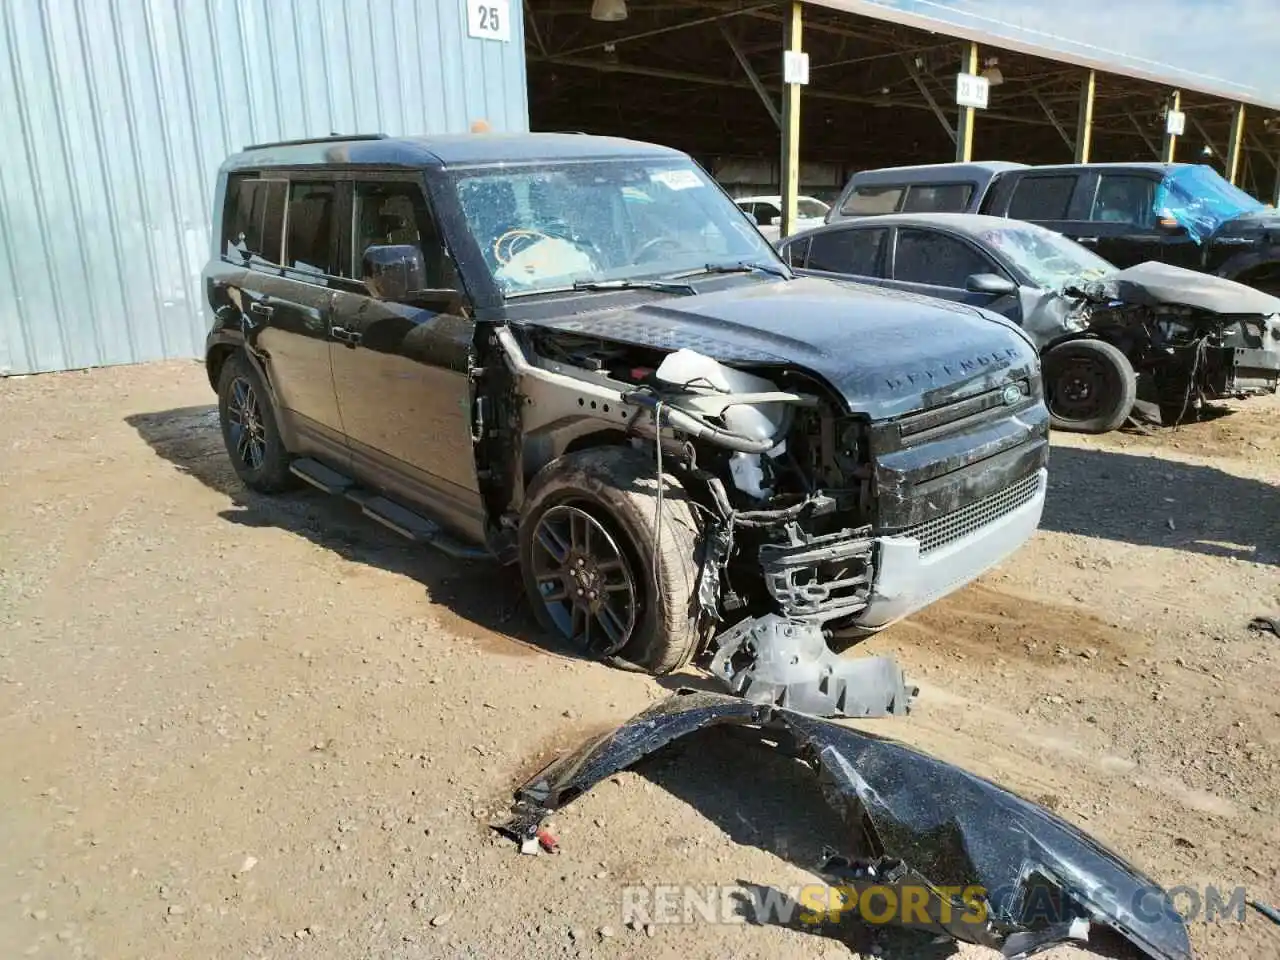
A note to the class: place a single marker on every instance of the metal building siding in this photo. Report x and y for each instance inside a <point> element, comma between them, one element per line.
<point>114,117</point>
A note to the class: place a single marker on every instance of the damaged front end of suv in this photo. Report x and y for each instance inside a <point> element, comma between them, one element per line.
<point>827,500</point>
<point>690,450</point>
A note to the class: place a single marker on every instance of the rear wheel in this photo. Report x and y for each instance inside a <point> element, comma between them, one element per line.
<point>249,428</point>
<point>1090,386</point>
<point>607,568</point>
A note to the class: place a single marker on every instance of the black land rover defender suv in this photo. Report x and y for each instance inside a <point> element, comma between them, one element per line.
<point>1183,214</point>
<point>577,355</point>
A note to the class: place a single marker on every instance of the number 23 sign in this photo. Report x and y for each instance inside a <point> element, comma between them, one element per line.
<point>489,20</point>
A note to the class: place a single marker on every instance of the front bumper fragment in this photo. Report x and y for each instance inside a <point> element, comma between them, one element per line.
<point>917,567</point>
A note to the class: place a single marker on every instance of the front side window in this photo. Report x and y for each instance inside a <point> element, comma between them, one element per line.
<point>857,252</point>
<point>253,220</point>
<point>1125,198</point>
<point>1042,198</point>
<point>395,214</point>
<point>867,201</point>
<point>938,198</point>
<point>311,241</point>
<point>547,227</point>
<point>926,256</point>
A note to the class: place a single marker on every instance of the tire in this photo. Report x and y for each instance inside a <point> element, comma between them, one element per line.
<point>616,488</point>
<point>1090,386</point>
<point>259,456</point>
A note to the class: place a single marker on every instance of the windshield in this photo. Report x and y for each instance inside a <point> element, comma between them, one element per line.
<point>1049,259</point>
<point>810,208</point>
<point>547,227</point>
<point>1200,200</point>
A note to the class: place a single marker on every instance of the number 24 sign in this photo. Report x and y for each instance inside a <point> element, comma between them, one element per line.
<point>489,20</point>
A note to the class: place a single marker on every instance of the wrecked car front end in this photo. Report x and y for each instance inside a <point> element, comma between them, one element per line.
<point>1196,336</point>
<point>958,854</point>
<point>855,454</point>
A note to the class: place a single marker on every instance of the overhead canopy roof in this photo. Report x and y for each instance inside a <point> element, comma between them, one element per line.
<point>1224,48</point>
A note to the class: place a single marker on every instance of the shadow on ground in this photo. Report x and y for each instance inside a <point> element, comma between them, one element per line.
<point>482,593</point>
<point>1148,501</point>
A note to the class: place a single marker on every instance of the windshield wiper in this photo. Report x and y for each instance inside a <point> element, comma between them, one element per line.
<point>665,286</point>
<point>742,266</point>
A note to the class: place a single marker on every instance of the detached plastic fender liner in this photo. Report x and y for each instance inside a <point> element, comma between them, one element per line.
<point>911,821</point>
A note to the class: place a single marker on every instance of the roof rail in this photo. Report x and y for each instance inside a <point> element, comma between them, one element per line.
<point>332,138</point>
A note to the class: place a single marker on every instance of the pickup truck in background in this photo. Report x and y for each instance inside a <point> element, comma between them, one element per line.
<point>1182,214</point>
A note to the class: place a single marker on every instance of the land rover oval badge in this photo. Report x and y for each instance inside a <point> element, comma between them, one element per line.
<point>1011,395</point>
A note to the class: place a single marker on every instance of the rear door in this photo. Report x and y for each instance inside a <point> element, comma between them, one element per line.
<point>292,298</point>
<point>403,368</point>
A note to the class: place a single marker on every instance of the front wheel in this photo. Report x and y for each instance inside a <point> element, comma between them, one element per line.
<point>609,568</point>
<point>1090,386</point>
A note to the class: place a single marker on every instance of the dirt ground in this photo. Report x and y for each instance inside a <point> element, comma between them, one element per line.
<point>235,726</point>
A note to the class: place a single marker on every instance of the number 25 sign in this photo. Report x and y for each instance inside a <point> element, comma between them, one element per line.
<point>489,20</point>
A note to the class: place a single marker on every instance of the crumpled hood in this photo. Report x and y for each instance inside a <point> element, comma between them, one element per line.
<point>914,824</point>
<point>885,352</point>
<point>1155,284</point>
<point>1261,221</point>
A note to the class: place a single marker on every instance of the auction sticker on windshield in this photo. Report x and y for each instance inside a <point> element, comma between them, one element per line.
<point>675,179</point>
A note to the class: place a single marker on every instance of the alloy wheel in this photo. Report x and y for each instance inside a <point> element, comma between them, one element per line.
<point>584,580</point>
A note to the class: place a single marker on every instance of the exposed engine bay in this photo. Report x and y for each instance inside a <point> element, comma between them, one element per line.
<point>1190,337</point>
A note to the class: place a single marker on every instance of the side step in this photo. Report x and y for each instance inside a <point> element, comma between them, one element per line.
<point>320,476</point>
<point>400,519</point>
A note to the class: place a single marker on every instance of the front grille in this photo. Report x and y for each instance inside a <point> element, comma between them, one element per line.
<point>950,527</point>
<point>918,427</point>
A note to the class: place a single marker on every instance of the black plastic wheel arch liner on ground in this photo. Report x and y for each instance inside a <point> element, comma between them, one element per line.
<point>914,822</point>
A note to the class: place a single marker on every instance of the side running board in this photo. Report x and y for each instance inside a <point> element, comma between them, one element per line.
<point>403,521</point>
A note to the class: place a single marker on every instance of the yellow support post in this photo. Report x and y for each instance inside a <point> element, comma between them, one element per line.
<point>1237,143</point>
<point>1084,120</point>
<point>791,125</point>
<point>1170,146</point>
<point>964,128</point>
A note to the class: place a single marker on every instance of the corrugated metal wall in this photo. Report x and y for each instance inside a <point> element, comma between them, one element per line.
<point>115,114</point>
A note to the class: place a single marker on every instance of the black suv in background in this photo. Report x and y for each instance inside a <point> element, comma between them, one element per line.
<point>577,354</point>
<point>1183,214</point>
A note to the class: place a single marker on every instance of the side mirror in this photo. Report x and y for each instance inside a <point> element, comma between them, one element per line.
<point>394,272</point>
<point>991,284</point>
<point>763,219</point>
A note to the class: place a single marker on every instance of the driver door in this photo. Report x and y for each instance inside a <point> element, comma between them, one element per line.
<point>938,264</point>
<point>402,370</point>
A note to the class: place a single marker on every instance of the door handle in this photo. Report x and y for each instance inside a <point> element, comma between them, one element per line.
<point>261,309</point>
<point>349,337</point>
<point>1086,240</point>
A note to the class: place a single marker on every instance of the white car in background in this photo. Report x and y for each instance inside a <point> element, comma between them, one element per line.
<point>767,211</point>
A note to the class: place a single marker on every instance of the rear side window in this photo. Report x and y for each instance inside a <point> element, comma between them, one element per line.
<point>312,242</point>
<point>859,252</point>
<point>926,256</point>
<point>938,198</point>
<point>1042,198</point>
<point>865,201</point>
<point>253,219</point>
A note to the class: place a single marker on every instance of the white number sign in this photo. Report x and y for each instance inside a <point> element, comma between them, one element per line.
<point>489,20</point>
<point>972,91</point>
<point>1175,123</point>
<point>795,67</point>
